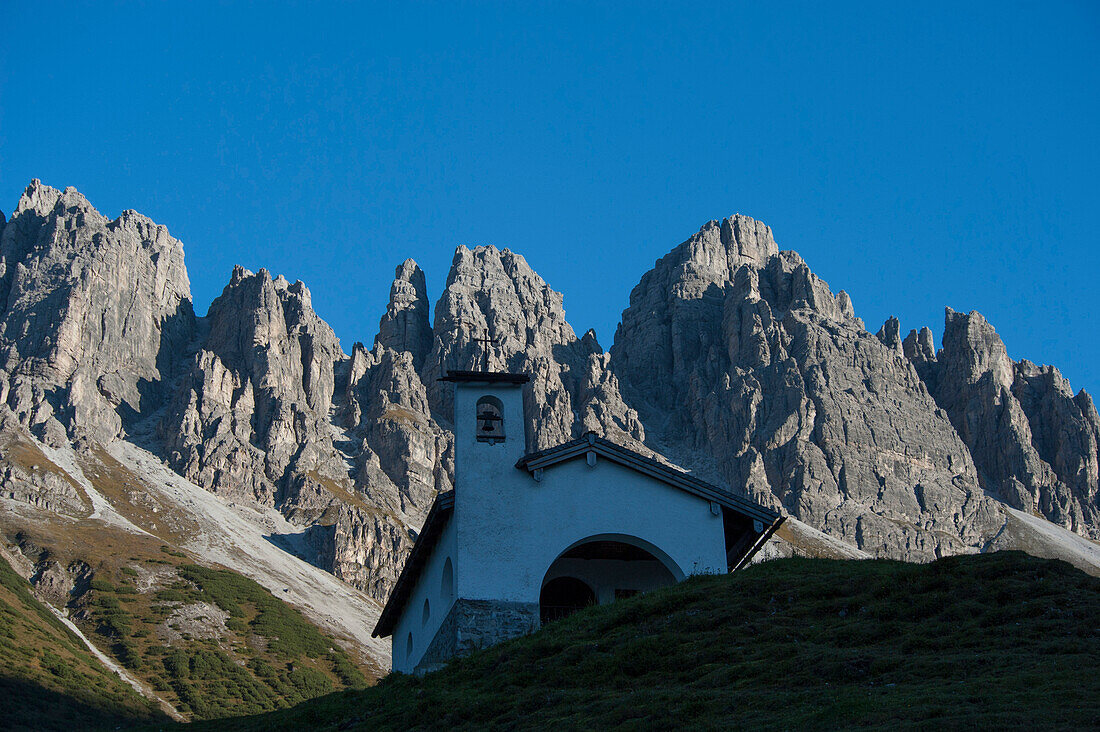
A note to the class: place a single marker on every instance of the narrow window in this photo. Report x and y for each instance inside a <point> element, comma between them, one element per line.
<point>490,420</point>
<point>409,649</point>
<point>447,585</point>
<point>427,612</point>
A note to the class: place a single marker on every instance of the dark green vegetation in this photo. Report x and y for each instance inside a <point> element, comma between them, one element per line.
<point>48,678</point>
<point>214,643</point>
<point>993,641</point>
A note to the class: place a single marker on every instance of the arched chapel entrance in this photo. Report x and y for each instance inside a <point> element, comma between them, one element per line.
<point>563,596</point>
<point>602,569</point>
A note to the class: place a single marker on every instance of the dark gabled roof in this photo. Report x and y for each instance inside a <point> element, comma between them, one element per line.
<point>440,513</point>
<point>492,377</point>
<point>636,461</point>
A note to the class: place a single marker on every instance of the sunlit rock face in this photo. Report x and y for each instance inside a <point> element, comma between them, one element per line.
<point>94,315</point>
<point>253,413</point>
<point>1033,440</point>
<point>739,359</point>
<point>494,294</point>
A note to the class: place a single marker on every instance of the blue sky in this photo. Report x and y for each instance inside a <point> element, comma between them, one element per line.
<point>916,156</point>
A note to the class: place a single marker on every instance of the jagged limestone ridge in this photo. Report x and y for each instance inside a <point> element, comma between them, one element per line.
<point>740,360</point>
<point>1034,442</point>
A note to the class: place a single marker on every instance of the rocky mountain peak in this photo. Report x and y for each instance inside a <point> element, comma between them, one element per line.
<point>742,362</point>
<point>719,247</point>
<point>739,360</point>
<point>493,292</point>
<point>716,298</point>
<point>974,349</point>
<point>41,199</point>
<point>94,312</point>
<point>405,325</point>
<point>890,334</point>
<point>919,346</point>
<point>260,388</point>
<point>1034,443</point>
<point>496,292</point>
<point>497,289</point>
<point>590,342</point>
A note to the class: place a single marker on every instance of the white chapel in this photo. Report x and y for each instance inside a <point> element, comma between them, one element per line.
<point>526,538</point>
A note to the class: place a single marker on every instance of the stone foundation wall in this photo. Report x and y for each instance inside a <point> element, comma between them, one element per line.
<point>474,624</point>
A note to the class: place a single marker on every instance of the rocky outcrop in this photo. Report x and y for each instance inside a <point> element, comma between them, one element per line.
<point>920,350</point>
<point>261,419</point>
<point>741,361</point>
<point>494,294</point>
<point>28,476</point>
<point>890,335</point>
<point>251,421</point>
<point>660,340</point>
<point>1033,441</point>
<point>397,429</point>
<point>405,327</point>
<point>369,549</point>
<point>94,315</point>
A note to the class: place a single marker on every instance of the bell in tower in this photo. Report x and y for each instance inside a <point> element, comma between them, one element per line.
<point>490,420</point>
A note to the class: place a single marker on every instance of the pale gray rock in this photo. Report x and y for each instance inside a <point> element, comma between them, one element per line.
<point>396,425</point>
<point>405,326</point>
<point>742,363</point>
<point>658,341</point>
<point>54,584</point>
<point>890,334</point>
<point>1065,432</point>
<point>495,294</point>
<point>1033,441</point>
<point>274,414</point>
<point>28,476</point>
<point>369,549</point>
<point>94,314</point>
<point>258,396</point>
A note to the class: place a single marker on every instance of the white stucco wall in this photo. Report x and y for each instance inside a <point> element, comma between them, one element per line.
<point>515,527</point>
<point>510,528</point>
<point>429,587</point>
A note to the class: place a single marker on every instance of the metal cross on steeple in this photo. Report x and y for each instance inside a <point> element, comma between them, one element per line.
<point>485,339</point>
<point>489,343</point>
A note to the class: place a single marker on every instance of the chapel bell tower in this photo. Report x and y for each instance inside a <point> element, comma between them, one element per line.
<point>490,431</point>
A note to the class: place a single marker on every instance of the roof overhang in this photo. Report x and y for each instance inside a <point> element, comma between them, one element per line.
<point>486,377</point>
<point>437,519</point>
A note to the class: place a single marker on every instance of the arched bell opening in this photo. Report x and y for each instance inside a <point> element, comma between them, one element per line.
<point>490,420</point>
<point>602,569</point>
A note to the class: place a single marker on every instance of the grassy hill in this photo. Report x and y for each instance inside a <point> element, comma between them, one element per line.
<point>992,641</point>
<point>48,678</point>
<point>208,641</point>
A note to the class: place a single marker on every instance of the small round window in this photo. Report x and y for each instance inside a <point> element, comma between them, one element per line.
<point>490,420</point>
